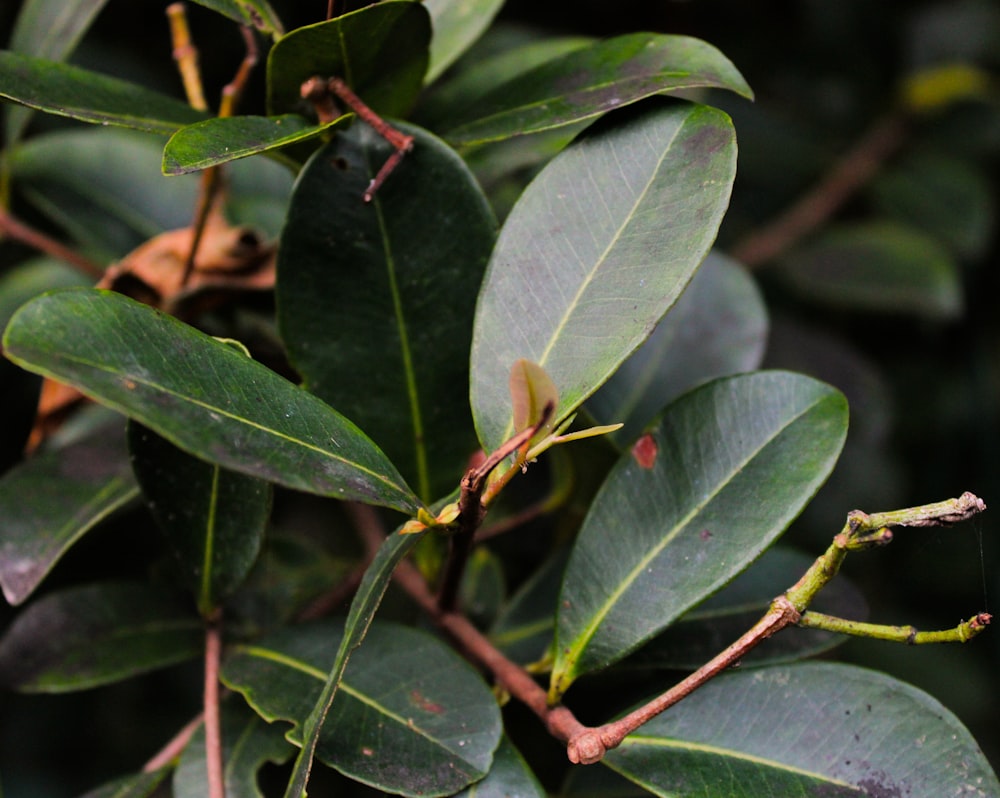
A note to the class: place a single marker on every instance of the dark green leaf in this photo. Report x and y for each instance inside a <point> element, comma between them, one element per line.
<point>711,626</point>
<point>697,499</point>
<point>213,518</point>
<point>510,777</point>
<point>141,785</point>
<point>48,502</point>
<point>523,632</point>
<point>809,729</point>
<point>488,65</point>
<point>944,197</point>
<point>89,96</point>
<point>483,587</point>
<point>877,267</point>
<point>456,25</point>
<point>571,284</point>
<point>380,51</point>
<point>359,619</point>
<point>252,13</point>
<point>376,299</point>
<point>718,327</point>
<point>225,139</point>
<point>200,394</point>
<point>248,743</point>
<point>411,716</point>
<point>87,636</point>
<point>31,278</point>
<point>47,29</point>
<point>590,81</point>
<point>110,211</point>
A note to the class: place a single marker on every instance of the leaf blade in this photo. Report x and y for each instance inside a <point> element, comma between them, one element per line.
<point>592,80</point>
<point>712,504</point>
<point>570,286</point>
<point>201,395</point>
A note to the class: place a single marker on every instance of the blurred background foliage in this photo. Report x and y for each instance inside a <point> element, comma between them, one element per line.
<point>890,295</point>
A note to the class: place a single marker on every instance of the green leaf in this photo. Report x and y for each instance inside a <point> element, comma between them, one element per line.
<point>877,267</point>
<point>380,51</point>
<point>808,729</point>
<point>359,619</point>
<point>224,139</point>
<point>711,626</point>
<point>944,197</point>
<point>140,785</point>
<point>89,96</point>
<point>51,500</point>
<point>571,285</point>
<point>456,24</point>
<point>201,395</point>
<point>213,518</point>
<point>697,499</point>
<point>717,327</point>
<point>82,637</point>
<point>523,631</point>
<point>248,743</point>
<point>411,716</point>
<point>108,211</point>
<point>375,300</point>
<point>30,278</point>
<point>588,82</point>
<point>252,13</point>
<point>48,29</point>
<point>510,776</point>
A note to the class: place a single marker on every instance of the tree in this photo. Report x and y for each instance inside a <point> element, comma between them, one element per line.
<point>639,479</point>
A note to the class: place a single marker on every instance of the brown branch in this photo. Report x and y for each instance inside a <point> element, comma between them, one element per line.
<point>213,723</point>
<point>559,721</point>
<point>172,750</point>
<point>186,56</point>
<point>472,510</point>
<point>851,172</point>
<point>19,231</point>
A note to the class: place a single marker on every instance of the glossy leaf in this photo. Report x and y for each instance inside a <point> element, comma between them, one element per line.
<point>140,785</point>
<point>89,96</point>
<point>47,29</point>
<point>808,729</point>
<point>380,51</point>
<point>375,300</point>
<point>359,620</point>
<point>590,81</point>
<point>510,776</point>
<point>200,394</point>
<point>718,327</point>
<point>82,637</point>
<point>572,285</point>
<point>224,139</point>
<point>252,13</point>
<point>711,626</point>
<point>877,267</point>
<point>411,716</point>
<point>248,743</point>
<point>51,500</point>
<point>698,498</point>
<point>214,519</point>
<point>456,25</point>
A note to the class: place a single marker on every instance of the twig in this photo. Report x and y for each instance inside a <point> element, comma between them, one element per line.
<point>559,721</point>
<point>472,510</point>
<point>850,173</point>
<point>213,723</point>
<point>186,56</point>
<point>19,231</point>
<point>318,92</point>
<point>172,750</point>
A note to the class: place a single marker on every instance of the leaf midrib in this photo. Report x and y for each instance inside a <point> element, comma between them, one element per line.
<point>591,629</point>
